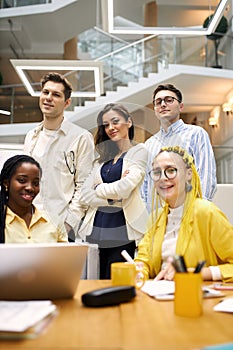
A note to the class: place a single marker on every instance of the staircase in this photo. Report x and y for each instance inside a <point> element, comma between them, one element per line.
<point>137,95</point>
<point>128,70</point>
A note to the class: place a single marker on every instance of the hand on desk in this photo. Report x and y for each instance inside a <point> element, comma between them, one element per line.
<point>206,274</point>
<point>167,273</point>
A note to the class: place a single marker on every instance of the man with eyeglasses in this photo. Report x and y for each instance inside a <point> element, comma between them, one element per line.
<point>167,101</point>
<point>65,152</point>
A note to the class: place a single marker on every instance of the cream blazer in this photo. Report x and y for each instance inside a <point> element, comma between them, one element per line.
<point>95,193</point>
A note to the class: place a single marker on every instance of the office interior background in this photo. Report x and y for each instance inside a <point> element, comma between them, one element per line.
<point>118,51</point>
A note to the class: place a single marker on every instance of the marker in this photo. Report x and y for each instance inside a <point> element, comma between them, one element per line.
<point>179,263</point>
<point>199,266</point>
<point>127,257</point>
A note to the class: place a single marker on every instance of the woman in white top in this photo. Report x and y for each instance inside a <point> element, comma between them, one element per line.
<point>116,217</point>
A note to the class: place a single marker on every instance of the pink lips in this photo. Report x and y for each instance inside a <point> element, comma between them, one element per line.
<point>27,197</point>
<point>165,188</point>
<point>46,105</point>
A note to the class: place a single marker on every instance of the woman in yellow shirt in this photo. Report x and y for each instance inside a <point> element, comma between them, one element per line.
<point>20,220</point>
<point>186,224</point>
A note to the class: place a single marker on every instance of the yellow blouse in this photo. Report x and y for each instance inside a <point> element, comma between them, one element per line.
<point>41,230</point>
<point>209,236</point>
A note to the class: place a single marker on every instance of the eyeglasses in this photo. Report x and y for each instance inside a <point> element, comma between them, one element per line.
<point>170,173</point>
<point>168,100</point>
<point>70,161</point>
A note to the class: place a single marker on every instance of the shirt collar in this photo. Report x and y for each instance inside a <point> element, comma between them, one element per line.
<point>173,127</point>
<point>64,128</point>
<point>37,215</point>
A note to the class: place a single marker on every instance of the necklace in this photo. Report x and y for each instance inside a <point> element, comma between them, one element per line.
<point>117,157</point>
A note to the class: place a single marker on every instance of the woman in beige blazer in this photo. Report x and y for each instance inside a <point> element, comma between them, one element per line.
<point>116,217</point>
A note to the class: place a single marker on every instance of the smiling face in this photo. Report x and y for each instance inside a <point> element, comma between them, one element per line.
<point>23,186</point>
<point>165,112</point>
<point>52,100</point>
<point>116,127</point>
<point>171,190</point>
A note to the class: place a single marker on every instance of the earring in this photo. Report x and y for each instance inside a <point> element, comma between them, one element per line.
<point>188,187</point>
<point>6,193</point>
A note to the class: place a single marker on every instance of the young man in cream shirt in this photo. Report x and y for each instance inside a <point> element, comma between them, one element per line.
<point>65,152</point>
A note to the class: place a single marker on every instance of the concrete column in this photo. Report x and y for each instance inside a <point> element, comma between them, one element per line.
<point>104,14</point>
<point>71,49</point>
<point>151,49</point>
<point>150,20</point>
<point>150,14</point>
<point>71,53</point>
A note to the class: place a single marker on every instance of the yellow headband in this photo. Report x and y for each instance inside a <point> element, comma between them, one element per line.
<point>184,154</point>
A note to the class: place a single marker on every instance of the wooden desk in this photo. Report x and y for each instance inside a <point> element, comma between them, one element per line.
<point>141,324</point>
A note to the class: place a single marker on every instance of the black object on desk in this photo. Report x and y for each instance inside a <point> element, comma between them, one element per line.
<point>109,296</point>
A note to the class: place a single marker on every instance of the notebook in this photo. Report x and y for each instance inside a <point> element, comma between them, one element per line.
<point>40,271</point>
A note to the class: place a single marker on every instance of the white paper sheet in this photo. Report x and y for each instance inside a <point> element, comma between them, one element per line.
<point>154,288</point>
<point>18,316</point>
<point>165,290</point>
<point>225,305</point>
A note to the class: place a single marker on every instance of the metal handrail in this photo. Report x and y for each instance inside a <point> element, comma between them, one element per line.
<point>110,35</point>
<point>163,57</point>
<point>114,74</point>
<point>134,43</point>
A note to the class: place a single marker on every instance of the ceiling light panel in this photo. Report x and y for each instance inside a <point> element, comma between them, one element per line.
<point>23,67</point>
<point>192,30</point>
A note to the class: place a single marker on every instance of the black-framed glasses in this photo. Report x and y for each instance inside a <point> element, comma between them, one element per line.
<point>70,158</point>
<point>168,100</point>
<point>169,172</point>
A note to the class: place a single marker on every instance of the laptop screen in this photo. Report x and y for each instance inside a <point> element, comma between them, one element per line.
<point>40,271</point>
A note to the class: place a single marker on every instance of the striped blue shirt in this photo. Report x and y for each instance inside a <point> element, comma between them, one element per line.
<point>196,142</point>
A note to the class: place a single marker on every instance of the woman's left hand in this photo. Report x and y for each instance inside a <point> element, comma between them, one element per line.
<point>125,173</point>
<point>167,273</point>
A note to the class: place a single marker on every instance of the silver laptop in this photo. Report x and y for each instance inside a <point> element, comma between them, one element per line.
<point>40,271</point>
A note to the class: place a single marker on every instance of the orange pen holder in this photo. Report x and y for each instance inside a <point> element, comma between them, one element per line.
<point>188,294</point>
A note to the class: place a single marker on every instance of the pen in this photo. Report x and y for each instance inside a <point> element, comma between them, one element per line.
<point>127,257</point>
<point>199,266</point>
<point>179,263</point>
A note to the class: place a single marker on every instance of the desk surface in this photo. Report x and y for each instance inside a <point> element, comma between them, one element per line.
<point>144,323</point>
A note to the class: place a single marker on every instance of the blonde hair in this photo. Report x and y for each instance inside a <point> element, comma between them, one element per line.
<point>190,196</point>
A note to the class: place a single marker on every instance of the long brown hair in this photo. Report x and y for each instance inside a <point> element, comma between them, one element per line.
<point>106,148</point>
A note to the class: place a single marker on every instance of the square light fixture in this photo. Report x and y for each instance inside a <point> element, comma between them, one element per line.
<point>199,30</point>
<point>22,66</point>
